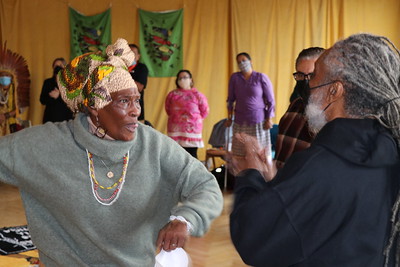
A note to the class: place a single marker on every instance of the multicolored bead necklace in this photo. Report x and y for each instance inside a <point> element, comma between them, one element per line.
<point>117,185</point>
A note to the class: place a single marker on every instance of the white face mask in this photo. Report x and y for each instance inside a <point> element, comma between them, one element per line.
<point>244,66</point>
<point>315,114</point>
<point>185,83</point>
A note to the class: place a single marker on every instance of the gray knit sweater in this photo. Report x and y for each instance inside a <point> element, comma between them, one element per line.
<point>70,227</point>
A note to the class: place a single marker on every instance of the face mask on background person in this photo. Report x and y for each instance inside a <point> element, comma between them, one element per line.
<point>132,67</point>
<point>302,88</point>
<point>244,66</point>
<point>185,83</point>
<point>5,80</point>
<point>56,70</point>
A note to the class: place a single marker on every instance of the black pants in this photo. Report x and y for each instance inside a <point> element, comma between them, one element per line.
<point>192,151</point>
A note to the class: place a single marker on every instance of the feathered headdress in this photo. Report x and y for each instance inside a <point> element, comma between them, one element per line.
<point>16,65</point>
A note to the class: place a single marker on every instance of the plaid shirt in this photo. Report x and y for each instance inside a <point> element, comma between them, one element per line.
<point>293,133</point>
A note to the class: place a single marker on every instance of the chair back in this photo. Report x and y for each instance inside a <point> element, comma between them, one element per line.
<point>221,136</point>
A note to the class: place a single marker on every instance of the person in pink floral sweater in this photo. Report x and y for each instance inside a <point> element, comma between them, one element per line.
<point>186,109</point>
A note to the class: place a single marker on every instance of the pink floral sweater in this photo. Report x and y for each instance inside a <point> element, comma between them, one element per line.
<point>186,110</point>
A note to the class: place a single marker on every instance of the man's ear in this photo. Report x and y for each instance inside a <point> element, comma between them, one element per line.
<point>336,91</point>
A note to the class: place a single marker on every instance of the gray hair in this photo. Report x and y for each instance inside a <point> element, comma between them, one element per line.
<point>369,68</point>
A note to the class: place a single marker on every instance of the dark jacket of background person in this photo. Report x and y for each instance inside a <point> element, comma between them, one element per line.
<point>294,134</point>
<point>330,205</point>
<point>56,109</point>
<point>139,74</point>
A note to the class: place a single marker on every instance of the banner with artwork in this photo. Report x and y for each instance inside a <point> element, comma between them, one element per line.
<point>160,39</point>
<point>89,33</point>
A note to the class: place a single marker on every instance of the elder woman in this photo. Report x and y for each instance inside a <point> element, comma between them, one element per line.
<point>103,189</point>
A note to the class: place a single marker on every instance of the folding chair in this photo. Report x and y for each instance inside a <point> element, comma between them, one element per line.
<point>221,141</point>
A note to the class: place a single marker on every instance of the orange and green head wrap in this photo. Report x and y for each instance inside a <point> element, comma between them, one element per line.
<point>89,79</point>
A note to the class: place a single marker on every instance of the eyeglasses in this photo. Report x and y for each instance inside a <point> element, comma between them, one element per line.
<point>183,78</point>
<point>300,76</point>
<point>321,85</point>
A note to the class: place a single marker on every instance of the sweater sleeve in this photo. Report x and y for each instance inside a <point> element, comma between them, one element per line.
<point>203,105</point>
<point>260,228</point>
<point>200,197</point>
<point>168,103</point>
<point>7,160</point>
<point>231,92</point>
<point>268,95</point>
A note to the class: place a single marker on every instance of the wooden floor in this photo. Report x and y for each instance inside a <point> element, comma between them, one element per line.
<point>214,249</point>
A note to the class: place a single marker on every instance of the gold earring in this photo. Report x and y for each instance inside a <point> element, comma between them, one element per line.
<point>100,132</point>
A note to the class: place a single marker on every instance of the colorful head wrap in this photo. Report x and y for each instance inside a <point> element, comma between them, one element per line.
<point>90,78</point>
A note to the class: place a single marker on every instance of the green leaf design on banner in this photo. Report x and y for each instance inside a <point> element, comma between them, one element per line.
<point>160,39</point>
<point>89,33</point>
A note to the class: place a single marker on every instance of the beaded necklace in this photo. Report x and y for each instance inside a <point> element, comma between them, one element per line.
<point>117,185</point>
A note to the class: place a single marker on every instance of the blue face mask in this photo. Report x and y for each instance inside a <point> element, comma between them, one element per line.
<point>5,80</point>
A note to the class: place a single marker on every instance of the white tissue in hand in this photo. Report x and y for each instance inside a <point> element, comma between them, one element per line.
<point>174,258</point>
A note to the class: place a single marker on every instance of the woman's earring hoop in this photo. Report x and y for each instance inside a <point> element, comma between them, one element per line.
<point>100,132</point>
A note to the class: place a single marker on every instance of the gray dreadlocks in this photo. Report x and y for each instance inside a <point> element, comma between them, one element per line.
<point>369,68</point>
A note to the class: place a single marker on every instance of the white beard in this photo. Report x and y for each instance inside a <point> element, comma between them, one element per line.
<point>315,115</point>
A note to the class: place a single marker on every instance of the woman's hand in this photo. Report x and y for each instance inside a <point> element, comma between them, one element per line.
<point>173,235</point>
<point>228,122</point>
<point>55,93</point>
<point>268,124</point>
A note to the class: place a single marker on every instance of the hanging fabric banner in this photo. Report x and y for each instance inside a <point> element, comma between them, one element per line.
<point>160,39</point>
<point>89,33</point>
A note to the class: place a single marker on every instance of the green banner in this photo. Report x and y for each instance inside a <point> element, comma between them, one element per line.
<point>89,33</point>
<point>160,40</point>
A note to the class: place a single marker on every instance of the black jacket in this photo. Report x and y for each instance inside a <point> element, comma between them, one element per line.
<point>56,109</point>
<point>139,74</point>
<point>329,206</point>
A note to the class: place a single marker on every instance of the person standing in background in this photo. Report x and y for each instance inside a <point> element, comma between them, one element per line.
<point>293,132</point>
<point>139,73</point>
<point>56,109</point>
<point>14,90</point>
<point>251,101</point>
<point>186,109</point>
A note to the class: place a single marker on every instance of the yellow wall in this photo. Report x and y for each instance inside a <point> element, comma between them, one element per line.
<point>272,31</point>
